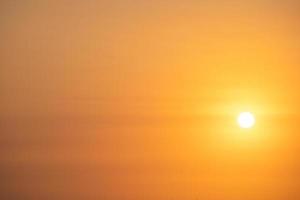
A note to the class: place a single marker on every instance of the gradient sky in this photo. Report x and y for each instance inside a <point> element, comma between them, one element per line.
<point>137,99</point>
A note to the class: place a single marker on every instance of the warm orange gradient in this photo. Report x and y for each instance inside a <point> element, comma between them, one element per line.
<point>137,100</point>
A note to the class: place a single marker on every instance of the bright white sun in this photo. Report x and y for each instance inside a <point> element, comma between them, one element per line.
<point>246,120</point>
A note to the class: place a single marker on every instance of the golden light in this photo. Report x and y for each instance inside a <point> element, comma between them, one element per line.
<point>246,120</point>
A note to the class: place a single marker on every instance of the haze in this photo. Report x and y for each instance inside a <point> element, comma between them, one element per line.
<point>138,100</point>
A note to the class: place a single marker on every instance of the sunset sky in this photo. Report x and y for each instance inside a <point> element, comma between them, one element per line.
<point>138,100</point>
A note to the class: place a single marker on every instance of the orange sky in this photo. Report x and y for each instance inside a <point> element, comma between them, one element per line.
<point>137,99</point>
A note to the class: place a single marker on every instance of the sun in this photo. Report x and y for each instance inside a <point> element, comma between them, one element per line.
<point>246,120</point>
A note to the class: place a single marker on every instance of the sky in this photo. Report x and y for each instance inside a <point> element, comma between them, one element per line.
<point>136,99</point>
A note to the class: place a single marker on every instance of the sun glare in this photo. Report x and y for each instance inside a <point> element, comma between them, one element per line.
<point>246,120</point>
